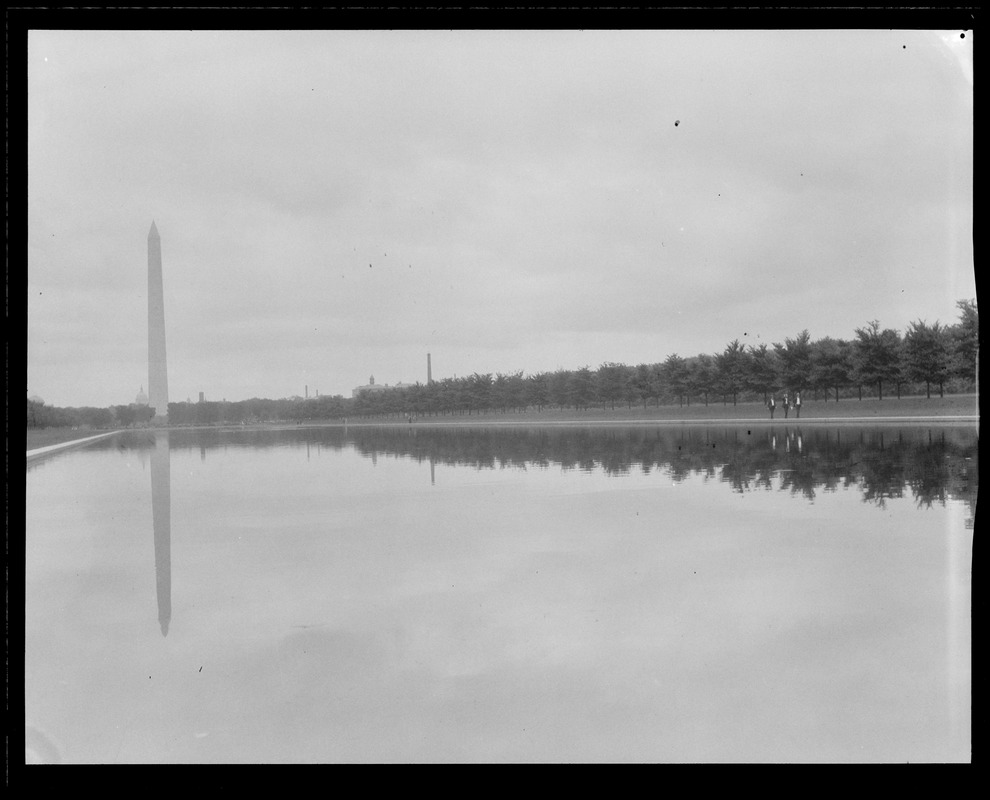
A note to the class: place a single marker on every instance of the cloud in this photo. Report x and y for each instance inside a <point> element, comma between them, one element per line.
<point>503,186</point>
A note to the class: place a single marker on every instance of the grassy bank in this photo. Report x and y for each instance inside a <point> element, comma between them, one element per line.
<point>906,407</point>
<point>43,437</point>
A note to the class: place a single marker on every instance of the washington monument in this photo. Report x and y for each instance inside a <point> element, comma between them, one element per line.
<point>157,371</point>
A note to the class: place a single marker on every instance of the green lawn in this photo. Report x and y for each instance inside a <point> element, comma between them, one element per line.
<point>906,407</point>
<point>956,405</point>
<point>43,437</point>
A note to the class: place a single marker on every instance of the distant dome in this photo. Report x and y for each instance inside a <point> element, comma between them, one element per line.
<point>142,398</point>
<point>35,399</point>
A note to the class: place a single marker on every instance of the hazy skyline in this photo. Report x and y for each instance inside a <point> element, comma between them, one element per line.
<point>337,204</point>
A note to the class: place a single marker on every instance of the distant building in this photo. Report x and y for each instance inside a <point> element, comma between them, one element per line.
<point>371,387</point>
<point>36,399</point>
<point>142,398</point>
<point>202,397</point>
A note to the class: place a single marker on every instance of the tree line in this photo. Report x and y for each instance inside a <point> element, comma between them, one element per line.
<point>876,361</point>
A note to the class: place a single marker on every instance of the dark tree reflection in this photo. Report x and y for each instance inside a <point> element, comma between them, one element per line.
<point>930,464</point>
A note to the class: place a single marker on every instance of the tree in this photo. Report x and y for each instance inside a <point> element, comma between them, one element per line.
<point>208,412</point>
<point>143,414</point>
<point>581,388</point>
<point>480,391</point>
<point>926,352</point>
<point>656,382</point>
<point>538,390</point>
<point>831,365</point>
<point>675,375</point>
<point>763,370</point>
<point>500,391</point>
<point>611,382</point>
<point>124,415</point>
<point>645,382</point>
<point>446,395</point>
<point>877,355</point>
<point>178,413</point>
<point>731,369</point>
<point>795,361</point>
<point>630,393</point>
<point>702,376</point>
<point>966,341</point>
<point>517,390</point>
<point>35,414</point>
<point>560,388</point>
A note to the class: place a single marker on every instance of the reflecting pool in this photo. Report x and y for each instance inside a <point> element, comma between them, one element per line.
<point>512,594</point>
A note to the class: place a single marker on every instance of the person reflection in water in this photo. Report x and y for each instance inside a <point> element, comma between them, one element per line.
<point>772,405</point>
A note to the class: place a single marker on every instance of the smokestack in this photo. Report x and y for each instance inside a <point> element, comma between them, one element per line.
<point>429,370</point>
<point>307,391</point>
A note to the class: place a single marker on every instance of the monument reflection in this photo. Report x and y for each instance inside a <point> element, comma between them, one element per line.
<point>362,605</point>
<point>161,512</point>
<point>931,464</point>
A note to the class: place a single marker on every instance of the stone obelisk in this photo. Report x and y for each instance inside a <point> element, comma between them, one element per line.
<point>157,372</point>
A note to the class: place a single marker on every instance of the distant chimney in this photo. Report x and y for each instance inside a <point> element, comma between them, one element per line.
<point>307,391</point>
<point>429,370</point>
<point>201,398</point>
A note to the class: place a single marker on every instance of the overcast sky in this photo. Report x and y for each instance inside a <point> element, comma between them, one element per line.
<point>334,205</point>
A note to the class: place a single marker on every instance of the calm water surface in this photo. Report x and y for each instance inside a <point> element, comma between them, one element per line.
<point>513,594</point>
